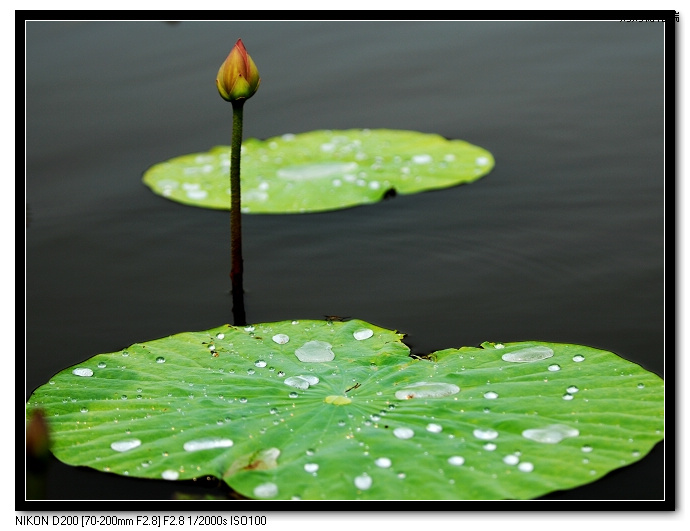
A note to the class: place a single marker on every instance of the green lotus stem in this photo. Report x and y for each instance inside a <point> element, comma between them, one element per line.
<point>237,80</point>
<point>236,271</point>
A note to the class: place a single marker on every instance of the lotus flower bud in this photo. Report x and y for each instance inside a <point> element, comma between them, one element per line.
<point>238,77</point>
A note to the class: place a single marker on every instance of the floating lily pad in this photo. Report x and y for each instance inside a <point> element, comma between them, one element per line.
<point>321,170</point>
<point>339,410</point>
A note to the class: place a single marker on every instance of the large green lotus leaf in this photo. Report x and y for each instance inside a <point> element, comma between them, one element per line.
<point>321,170</point>
<point>340,410</point>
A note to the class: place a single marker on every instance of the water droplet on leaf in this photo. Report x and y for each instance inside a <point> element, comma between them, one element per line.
<point>550,434</point>
<point>315,352</point>
<point>363,482</point>
<point>363,333</point>
<point>526,467</point>
<point>266,490</point>
<point>281,339</point>
<point>403,433</point>
<point>311,467</point>
<point>383,462</point>
<point>528,355</point>
<point>427,390</point>
<point>511,459</point>
<point>302,381</point>
<point>434,428</point>
<point>207,444</point>
<point>485,435</point>
<point>125,445</point>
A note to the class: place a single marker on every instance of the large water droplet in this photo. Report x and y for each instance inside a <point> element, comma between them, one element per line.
<point>363,333</point>
<point>363,482</point>
<point>511,459</point>
<point>125,445</point>
<point>281,339</point>
<point>101,365</point>
<point>490,395</point>
<point>427,390</point>
<point>315,351</point>
<point>302,381</point>
<point>456,460</point>
<point>572,389</point>
<point>311,467</point>
<point>555,367</point>
<point>578,358</point>
<point>82,371</point>
<point>266,490</point>
<point>485,435</point>
<point>207,444</point>
<point>170,475</point>
<point>434,428</point>
<point>403,433</point>
<point>383,462</point>
<point>160,359</point>
<point>528,355</point>
<point>526,467</point>
<point>550,434</point>
<point>260,363</point>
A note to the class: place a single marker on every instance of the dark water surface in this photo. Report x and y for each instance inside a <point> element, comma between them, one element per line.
<point>562,242</point>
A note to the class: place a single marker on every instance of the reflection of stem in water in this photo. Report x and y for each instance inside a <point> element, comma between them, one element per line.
<point>236,272</point>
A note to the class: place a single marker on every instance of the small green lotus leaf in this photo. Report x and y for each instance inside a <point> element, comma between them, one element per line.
<point>321,170</point>
<point>339,410</point>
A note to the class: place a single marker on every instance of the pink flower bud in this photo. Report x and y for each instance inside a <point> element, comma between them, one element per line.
<point>238,77</point>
